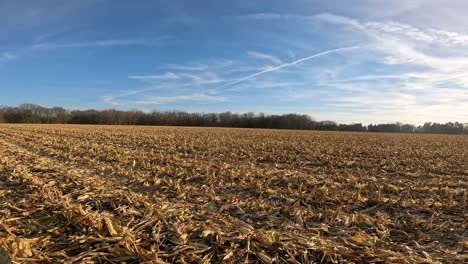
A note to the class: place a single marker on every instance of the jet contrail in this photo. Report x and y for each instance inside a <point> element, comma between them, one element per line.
<point>287,65</point>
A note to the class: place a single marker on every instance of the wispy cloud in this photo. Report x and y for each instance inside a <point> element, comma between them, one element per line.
<point>109,100</point>
<point>187,77</point>
<point>29,49</point>
<point>273,69</point>
<point>398,42</point>
<point>273,16</point>
<point>372,77</point>
<point>402,71</point>
<point>259,55</point>
<point>194,97</point>
<point>164,76</point>
<point>193,82</point>
<point>397,29</point>
<point>195,67</point>
<point>430,35</point>
<point>7,56</point>
<point>200,82</point>
<point>425,83</point>
<point>94,43</point>
<point>119,97</point>
<point>203,78</point>
<point>204,66</point>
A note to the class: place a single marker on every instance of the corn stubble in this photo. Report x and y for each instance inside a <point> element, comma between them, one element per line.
<point>97,194</point>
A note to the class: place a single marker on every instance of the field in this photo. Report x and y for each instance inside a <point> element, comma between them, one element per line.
<point>100,194</point>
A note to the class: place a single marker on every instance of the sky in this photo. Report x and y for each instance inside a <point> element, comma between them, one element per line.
<point>369,61</point>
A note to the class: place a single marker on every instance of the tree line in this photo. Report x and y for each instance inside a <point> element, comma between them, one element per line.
<point>31,113</point>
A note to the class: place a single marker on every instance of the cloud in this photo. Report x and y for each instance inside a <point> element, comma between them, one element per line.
<point>339,20</point>
<point>94,43</point>
<point>392,106</point>
<point>110,100</point>
<point>402,72</point>
<point>188,78</point>
<point>194,97</point>
<point>429,35</point>
<point>30,49</point>
<point>450,38</point>
<point>193,82</point>
<point>263,16</point>
<point>259,55</point>
<point>164,76</point>
<point>122,96</point>
<point>273,69</point>
<point>371,77</point>
<point>397,29</point>
<point>273,16</point>
<point>426,71</point>
<point>203,78</point>
<point>7,56</point>
<point>204,66</point>
<point>197,67</point>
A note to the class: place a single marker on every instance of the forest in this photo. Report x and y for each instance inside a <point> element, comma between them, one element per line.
<point>36,114</point>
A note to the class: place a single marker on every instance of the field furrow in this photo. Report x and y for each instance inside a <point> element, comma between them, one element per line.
<point>200,195</point>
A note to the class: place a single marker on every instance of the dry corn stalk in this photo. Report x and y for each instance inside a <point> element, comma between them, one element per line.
<point>196,195</point>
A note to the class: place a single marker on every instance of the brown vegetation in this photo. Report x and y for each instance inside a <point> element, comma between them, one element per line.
<point>94,194</point>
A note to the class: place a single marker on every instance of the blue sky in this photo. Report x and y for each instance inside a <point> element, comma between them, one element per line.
<point>365,61</point>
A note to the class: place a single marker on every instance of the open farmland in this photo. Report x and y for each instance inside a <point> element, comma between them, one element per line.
<point>94,194</point>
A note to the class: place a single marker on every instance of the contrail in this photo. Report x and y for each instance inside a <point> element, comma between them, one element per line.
<point>287,65</point>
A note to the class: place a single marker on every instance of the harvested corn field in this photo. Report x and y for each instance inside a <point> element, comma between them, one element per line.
<point>110,194</point>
